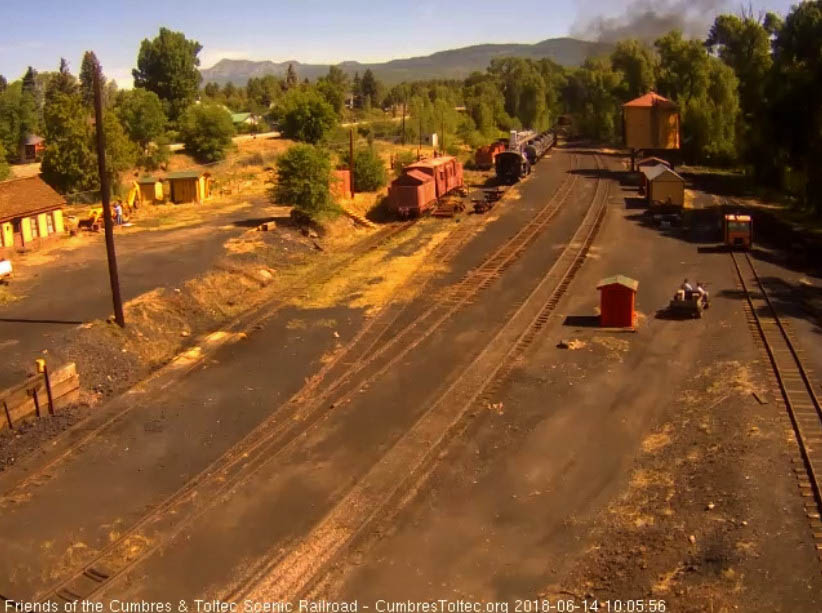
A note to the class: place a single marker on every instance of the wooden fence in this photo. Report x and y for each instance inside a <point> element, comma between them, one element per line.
<point>31,398</point>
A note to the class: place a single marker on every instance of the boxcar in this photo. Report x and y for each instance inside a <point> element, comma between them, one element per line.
<point>486,155</point>
<point>422,183</point>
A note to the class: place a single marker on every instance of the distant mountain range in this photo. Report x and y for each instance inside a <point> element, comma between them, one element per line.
<point>451,64</point>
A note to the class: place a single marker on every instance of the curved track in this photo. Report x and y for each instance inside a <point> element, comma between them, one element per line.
<point>369,355</point>
<point>394,479</point>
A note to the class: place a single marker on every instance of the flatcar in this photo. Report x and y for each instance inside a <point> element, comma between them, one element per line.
<point>422,183</point>
<point>511,166</point>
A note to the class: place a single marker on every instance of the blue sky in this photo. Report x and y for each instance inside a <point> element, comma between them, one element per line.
<point>39,32</point>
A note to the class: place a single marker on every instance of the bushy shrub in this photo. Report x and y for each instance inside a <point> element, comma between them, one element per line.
<point>369,170</point>
<point>206,130</point>
<point>304,181</point>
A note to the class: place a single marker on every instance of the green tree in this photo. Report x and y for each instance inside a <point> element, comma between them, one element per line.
<point>795,94</point>
<point>30,111</point>
<point>707,92</point>
<point>291,77</point>
<point>69,162</point>
<point>684,67</point>
<point>744,44</point>
<point>10,119</point>
<point>167,66</point>
<point>5,172</point>
<point>3,84</point>
<point>305,115</point>
<point>262,92</point>
<point>206,130</point>
<point>709,121</point>
<point>121,152</point>
<point>369,170</point>
<point>523,87</point>
<point>637,66</point>
<point>88,68</point>
<point>141,114</point>
<point>212,90</point>
<point>370,89</point>
<point>304,181</point>
<point>590,92</point>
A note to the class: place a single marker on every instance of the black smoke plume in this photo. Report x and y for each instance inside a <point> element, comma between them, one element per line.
<point>647,20</point>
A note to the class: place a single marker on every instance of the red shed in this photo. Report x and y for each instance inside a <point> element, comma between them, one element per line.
<point>341,185</point>
<point>617,301</point>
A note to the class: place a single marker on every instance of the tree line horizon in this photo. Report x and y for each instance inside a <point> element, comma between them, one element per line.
<point>749,93</point>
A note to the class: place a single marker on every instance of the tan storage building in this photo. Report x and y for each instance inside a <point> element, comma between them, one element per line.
<point>151,190</point>
<point>189,186</point>
<point>30,213</point>
<point>665,187</point>
<point>651,122</point>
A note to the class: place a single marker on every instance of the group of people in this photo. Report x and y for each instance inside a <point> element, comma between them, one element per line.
<point>688,290</point>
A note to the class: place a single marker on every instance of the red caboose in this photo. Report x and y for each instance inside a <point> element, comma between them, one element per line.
<point>422,183</point>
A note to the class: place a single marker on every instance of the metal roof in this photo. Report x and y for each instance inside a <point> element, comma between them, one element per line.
<point>146,180</point>
<point>651,99</point>
<point>33,139</point>
<point>416,175</point>
<point>650,160</point>
<point>660,171</point>
<point>432,162</point>
<point>23,197</point>
<point>239,117</point>
<point>628,282</point>
<point>186,174</point>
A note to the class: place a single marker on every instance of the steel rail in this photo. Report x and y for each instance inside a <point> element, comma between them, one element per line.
<point>284,574</point>
<point>276,434</point>
<point>801,421</point>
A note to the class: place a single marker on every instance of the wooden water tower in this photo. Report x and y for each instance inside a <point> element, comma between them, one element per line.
<point>650,124</point>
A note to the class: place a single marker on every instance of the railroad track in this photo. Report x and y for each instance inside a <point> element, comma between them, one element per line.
<point>406,466</point>
<point>165,521</point>
<point>794,384</point>
<point>245,323</point>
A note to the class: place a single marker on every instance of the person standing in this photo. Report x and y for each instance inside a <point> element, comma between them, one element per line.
<point>118,213</point>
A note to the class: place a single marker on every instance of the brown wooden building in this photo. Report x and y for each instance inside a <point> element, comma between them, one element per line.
<point>651,123</point>
<point>189,186</point>
<point>30,213</point>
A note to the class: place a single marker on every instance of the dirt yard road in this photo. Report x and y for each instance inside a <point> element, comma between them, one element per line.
<point>445,446</point>
<point>72,285</point>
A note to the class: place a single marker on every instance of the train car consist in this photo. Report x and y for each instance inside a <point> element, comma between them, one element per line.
<point>511,166</point>
<point>538,146</point>
<point>423,183</point>
<point>524,150</point>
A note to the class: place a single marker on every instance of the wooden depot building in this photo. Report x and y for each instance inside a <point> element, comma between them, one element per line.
<point>30,213</point>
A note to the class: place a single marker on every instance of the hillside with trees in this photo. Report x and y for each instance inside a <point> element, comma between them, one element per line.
<point>748,94</point>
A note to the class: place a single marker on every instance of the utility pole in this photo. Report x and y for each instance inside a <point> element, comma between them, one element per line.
<point>442,143</point>
<point>404,104</point>
<point>105,197</point>
<point>419,147</point>
<point>351,158</point>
